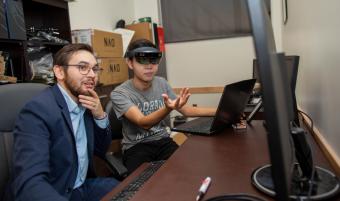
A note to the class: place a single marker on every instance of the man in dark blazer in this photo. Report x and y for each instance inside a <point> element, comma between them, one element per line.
<point>58,131</point>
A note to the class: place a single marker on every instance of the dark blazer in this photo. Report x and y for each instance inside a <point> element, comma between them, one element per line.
<point>45,158</point>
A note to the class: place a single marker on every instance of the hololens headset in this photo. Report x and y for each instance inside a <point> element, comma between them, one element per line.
<point>145,55</point>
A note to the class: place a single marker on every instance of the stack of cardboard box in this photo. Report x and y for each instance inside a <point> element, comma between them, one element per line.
<point>143,30</point>
<point>149,31</point>
<point>2,65</point>
<point>108,49</point>
<point>4,78</point>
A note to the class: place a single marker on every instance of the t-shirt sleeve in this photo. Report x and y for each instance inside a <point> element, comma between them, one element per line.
<point>121,103</point>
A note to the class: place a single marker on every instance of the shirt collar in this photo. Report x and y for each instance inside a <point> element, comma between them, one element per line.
<point>71,104</point>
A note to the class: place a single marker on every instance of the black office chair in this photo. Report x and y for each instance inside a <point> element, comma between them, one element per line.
<point>114,159</point>
<point>13,98</point>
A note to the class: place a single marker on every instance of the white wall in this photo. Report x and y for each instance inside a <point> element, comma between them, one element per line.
<point>209,63</point>
<point>277,21</point>
<point>100,14</point>
<point>147,8</point>
<point>313,32</point>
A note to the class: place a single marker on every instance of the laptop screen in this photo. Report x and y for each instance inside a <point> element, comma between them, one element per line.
<point>233,102</point>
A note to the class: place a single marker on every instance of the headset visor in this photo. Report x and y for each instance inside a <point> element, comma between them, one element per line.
<point>145,55</point>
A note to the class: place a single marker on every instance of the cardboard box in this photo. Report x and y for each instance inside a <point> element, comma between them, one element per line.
<point>115,70</point>
<point>2,66</point>
<point>9,79</point>
<point>104,43</point>
<point>142,30</point>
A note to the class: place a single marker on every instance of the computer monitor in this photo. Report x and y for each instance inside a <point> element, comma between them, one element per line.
<point>291,65</point>
<point>284,178</point>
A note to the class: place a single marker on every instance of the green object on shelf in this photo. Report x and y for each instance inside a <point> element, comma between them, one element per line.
<point>145,19</point>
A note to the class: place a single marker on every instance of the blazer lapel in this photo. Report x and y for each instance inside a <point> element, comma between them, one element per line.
<point>63,106</point>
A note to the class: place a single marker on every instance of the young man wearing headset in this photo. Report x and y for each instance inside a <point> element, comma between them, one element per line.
<point>143,104</point>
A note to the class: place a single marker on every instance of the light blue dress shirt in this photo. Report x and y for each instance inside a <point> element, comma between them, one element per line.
<point>79,131</point>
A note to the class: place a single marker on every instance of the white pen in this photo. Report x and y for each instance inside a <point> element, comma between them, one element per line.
<point>203,189</point>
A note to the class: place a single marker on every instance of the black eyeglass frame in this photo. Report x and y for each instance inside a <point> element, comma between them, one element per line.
<point>96,69</point>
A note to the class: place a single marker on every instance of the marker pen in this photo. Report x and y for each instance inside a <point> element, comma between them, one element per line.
<point>203,189</point>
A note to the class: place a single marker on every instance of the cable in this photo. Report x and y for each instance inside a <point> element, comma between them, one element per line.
<point>244,197</point>
<point>314,172</point>
<point>314,177</point>
<point>311,183</point>
<point>310,119</point>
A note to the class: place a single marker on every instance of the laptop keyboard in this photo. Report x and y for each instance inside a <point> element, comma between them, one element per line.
<point>134,186</point>
<point>199,125</point>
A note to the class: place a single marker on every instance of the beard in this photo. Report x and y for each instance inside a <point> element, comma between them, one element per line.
<point>75,87</point>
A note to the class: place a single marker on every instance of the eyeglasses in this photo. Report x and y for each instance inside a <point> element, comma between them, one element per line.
<point>84,69</point>
<point>148,60</point>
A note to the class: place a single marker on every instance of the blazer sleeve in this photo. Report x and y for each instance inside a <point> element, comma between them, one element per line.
<point>102,140</point>
<point>31,157</point>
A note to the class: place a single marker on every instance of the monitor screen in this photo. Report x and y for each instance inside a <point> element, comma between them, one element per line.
<point>291,65</point>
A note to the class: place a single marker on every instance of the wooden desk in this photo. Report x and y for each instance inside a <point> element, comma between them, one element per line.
<point>228,158</point>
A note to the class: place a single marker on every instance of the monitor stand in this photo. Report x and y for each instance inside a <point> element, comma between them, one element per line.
<point>324,188</point>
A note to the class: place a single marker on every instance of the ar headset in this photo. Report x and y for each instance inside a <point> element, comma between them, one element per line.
<point>145,55</point>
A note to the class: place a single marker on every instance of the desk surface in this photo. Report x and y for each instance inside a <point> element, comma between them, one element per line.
<point>229,158</point>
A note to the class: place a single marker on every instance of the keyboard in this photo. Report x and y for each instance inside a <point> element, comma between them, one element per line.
<point>133,187</point>
<point>201,125</point>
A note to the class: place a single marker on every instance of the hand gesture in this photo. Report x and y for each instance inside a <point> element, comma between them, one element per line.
<point>92,103</point>
<point>179,102</point>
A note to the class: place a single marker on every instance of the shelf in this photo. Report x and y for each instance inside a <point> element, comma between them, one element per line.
<point>40,14</point>
<point>12,42</point>
<point>43,43</point>
<point>44,14</point>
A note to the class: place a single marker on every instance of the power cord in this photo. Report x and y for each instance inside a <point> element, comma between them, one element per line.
<point>310,119</point>
<point>242,197</point>
<point>311,182</point>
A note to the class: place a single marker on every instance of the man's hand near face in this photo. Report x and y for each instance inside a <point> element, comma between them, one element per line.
<point>92,103</point>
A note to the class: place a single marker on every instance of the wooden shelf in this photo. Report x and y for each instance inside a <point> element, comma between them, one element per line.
<point>40,14</point>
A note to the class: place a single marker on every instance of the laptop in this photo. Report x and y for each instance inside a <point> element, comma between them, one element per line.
<point>230,108</point>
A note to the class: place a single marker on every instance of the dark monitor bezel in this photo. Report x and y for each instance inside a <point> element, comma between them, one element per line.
<point>292,65</point>
<point>295,59</point>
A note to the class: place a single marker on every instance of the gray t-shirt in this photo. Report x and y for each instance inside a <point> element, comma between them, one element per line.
<point>126,95</point>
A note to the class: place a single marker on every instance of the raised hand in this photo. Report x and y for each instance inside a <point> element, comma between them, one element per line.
<point>92,103</point>
<point>179,102</point>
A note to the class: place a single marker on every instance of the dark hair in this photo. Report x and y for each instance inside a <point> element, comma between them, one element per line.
<point>139,43</point>
<point>63,56</point>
